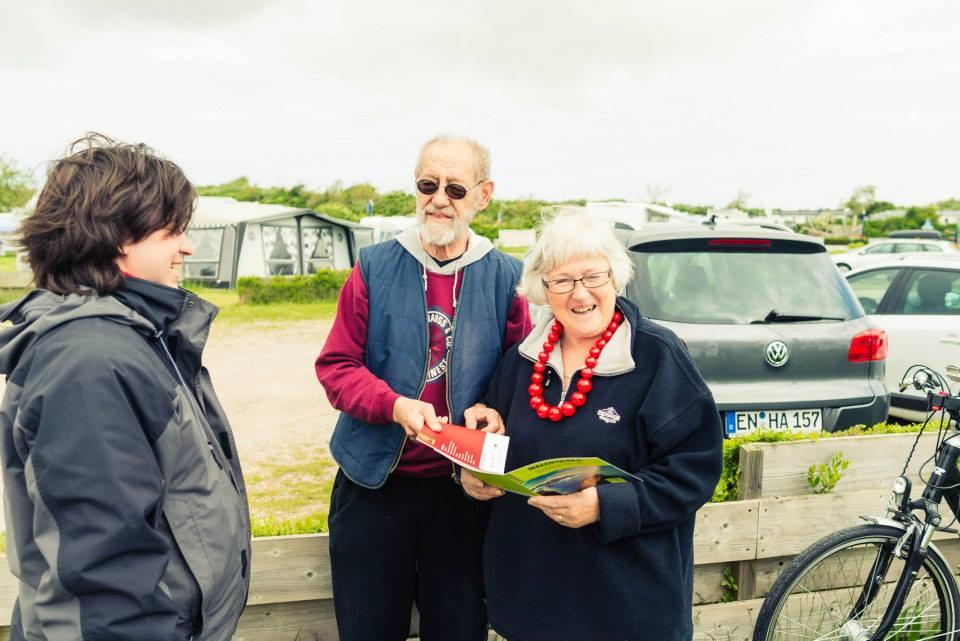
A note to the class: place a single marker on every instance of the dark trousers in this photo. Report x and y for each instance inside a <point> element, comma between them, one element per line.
<point>411,541</point>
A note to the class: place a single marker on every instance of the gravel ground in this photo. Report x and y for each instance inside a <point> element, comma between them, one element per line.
<point>263,374</point>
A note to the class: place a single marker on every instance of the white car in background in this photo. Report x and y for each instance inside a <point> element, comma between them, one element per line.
<point>882,251</point>
<point>916,299</point>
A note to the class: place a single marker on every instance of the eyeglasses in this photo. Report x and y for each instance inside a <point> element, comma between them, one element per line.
<point>453,191</point>
<point>567,285</point>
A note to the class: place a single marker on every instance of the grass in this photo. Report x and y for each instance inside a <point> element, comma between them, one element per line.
<point>516,252</point>
<point>7,295</point>
<point>8,263</point>
<point>291,497</point>
<point>232,312</point>
<point>285,498</point>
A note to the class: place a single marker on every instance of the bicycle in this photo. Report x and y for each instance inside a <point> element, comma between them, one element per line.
<point>884,580</point>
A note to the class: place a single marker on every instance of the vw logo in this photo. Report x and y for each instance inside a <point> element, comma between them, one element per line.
<point>777,354</point>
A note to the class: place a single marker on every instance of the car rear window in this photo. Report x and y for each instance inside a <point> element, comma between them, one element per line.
<point>694,281</point>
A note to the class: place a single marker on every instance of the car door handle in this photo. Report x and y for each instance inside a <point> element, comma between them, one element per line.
<point>953,339</point>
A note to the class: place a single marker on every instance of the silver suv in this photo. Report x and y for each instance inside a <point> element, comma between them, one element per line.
<point>773,327</point>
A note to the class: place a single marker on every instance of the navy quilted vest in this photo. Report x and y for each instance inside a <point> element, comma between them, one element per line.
<point>397,344</point>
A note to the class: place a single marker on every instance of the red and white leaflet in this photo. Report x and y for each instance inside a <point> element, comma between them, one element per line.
<point>473,449</point>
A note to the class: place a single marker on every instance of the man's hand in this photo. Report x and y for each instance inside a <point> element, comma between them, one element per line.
<point>477,488</point>
<point>570,510</point>
<point>412,415</point>
<point>484,418</point>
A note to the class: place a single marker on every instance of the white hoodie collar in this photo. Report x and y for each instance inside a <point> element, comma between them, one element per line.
<point>616,358</point>
<point>477,247</point>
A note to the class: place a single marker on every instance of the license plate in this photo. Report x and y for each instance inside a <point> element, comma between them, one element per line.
<point>778,420</point>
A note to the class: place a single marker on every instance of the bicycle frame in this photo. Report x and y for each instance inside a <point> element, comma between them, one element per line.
<point>914,545</point>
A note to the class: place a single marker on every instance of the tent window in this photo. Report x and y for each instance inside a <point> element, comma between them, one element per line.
<point>318,248</point>
<point>280,248</point>
<point>205,261</point>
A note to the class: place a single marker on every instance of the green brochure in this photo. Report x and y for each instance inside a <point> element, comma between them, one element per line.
<point>557,476</point>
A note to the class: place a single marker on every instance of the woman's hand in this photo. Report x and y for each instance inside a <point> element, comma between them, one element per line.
<point>484,418</point>
<point>476,488</point>
<point>570,510</point>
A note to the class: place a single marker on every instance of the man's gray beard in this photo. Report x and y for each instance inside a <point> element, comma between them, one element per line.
<point>441,235</point>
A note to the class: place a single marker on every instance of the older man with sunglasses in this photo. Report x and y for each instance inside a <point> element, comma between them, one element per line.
<point>421,323</point>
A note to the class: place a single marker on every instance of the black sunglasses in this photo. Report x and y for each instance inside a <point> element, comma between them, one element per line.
<point>453,191</point>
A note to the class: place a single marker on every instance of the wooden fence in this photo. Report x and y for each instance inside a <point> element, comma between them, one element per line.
<point>789,517</point>
<point>291,597</point>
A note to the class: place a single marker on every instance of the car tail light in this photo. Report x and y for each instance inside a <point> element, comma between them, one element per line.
<point>740,242</point>
<point>870,345</point>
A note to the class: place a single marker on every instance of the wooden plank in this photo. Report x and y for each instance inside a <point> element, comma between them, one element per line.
<point>296,621</point>
<point>284,569</point>
<point>309,620</point>
<point>746,581</point>
<point>726,532</point>
<point>766,572</point>
<point>290,568</point>
<point>725,621</point>
<point>706,583</point>
<point>314,620</point>
<point>787,526</point>
<point>874,462</point>
<point>750,483</point>
<point>949,546</point>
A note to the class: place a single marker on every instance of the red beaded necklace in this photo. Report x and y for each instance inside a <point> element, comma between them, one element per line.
<point>584,384</point>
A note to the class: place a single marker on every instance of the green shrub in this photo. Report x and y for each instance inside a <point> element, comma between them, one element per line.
<point>269,526</point>
<point>823,478</point>
<point>839,240</point>
<point>323,285</point>
<point>728,586</point>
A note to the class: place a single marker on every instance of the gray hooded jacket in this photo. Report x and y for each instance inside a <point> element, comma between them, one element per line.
<point>126,510</point>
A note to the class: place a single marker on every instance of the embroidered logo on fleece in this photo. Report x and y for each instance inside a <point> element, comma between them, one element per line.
<point>608,415</point>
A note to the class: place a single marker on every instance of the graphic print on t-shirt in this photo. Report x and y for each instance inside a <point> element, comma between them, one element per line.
<point>441,338</point>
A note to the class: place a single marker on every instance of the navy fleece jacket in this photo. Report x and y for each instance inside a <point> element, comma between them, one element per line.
<point>629,576</point>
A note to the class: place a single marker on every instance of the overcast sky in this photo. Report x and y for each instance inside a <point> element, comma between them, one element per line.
<point>794,103</point>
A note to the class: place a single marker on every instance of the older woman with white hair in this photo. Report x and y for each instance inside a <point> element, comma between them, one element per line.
<point>612,561</point>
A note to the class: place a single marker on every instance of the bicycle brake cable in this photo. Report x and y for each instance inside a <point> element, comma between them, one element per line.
<point>914,448</point>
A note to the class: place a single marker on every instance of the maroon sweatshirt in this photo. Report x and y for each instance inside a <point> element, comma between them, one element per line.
<point>354,389</point>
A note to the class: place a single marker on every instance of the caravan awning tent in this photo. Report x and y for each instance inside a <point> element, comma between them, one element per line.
<point>631,215</point>
<point>232,239</point>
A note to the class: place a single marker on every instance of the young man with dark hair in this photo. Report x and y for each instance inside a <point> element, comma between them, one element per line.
<point>127,513</point>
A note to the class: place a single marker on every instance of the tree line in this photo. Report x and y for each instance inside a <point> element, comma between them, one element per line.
<point>356,201</point>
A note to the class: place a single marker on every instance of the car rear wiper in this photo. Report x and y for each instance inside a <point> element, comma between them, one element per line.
<point>776,317</point>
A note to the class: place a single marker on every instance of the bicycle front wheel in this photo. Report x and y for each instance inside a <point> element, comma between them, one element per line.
<point>840,587</point>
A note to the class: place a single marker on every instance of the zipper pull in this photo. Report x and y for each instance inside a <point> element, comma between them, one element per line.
<point>213,454</point>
